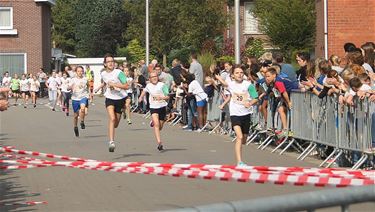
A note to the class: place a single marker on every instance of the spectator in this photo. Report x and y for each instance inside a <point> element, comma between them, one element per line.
<point>196,69</point>
<point>285,68</point>
<point>176,71</point>
<point>335,63</point>
<point>369,56</point>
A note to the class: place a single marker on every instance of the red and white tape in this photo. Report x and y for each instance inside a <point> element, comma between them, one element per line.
<point>28,203</point>
<point>258,174</point>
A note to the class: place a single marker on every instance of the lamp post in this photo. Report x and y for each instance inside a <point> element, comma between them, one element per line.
<point>147,35</point>
<point>237,31</point>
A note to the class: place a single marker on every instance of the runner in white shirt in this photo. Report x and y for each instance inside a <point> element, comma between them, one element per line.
<point>52,85</point>
<point>129,92</point>
<point>66,92</point>
<point>158,104</point>
<point>34,88</point>
<point>59,94</point>
<point>25,89</point>
<point>6,83</point>
<point>115,81</point>
<point>80,95</point>
<point>243,96</point>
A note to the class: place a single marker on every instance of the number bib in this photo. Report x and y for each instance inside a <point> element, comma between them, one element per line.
<point>154,98</point>
<point>240,98</point>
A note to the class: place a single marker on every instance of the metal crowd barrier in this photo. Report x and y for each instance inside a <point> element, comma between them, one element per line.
<point>326,122</point>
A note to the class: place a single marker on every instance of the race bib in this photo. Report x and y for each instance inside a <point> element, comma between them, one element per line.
<point>155,98</point>
<point>240,98</point>
<point>276,92</point>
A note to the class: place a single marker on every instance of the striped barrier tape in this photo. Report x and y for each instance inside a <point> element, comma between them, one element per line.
<point>28,203</point>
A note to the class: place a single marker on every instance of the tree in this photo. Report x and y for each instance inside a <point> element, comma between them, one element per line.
<point>100,24</point>
<point>290,24</point>
<point>64,22</point>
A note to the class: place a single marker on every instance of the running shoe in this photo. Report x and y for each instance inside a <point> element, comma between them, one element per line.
<point>24,106</point>
<point>160,147</point>
<point>112,146</point>
<point>282,134</point>
<point>53,109</point>
<point>83,125</point>
<point>241,164</point>
<point>151,123</point>
<point>34,105</point>
<point>67,113</point>
<point>129,121</point>
<point>76,132</point>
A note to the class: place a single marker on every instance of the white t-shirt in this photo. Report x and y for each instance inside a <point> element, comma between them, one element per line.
<point>34,85</point>
<point>113,76</point>
<point>196,89</point>
<point>160,89</point>
<point>129,80</point>
<point>6,81</point>
<point>65,82</point>
<point>368,68</point>
<point>53,83</point>
<point>79,88</point>
<point>364,87</point>
<point>24,85</point>
<point>239,95</point>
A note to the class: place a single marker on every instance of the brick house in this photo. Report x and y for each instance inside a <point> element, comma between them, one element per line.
<point>348,21</point>
<point>25,35</point>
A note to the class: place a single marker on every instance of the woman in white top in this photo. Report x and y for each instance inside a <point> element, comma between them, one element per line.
<point>52,85</point>
<point>243,96</point>
<point>158,97</point>
<point>34,88</point>
<point>129,92</point>
<point>6,83</point>
<point>25,89</point>
<point>115,93</point>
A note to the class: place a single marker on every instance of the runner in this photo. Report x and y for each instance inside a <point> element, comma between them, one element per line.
<point>243,96</point>
<point>158,104</point>
<point>52,85</point>
<point>129,91</point>
<point>90,79</point>
<point>15,87</point>
<point>25,89</point>
<point>34,88</point>
<point>66,92</point>
<point>80,95</point>
<point>115,81</point>
<point>6,84</point>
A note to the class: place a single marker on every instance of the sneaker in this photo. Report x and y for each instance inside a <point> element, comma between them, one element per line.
<point>83,125</point>
<point>185,127</point>
<point>199,130</point>
<point>282,134</point>
<point>24,106</point>
<point>34,105</point>
<point>129,121</point>
<point>160,147</point>
<point>67,114</point>
<point>241,164</point>
<point>151,123</point>
<point>111,146</point>
<point>76,132</point>
<point>53,109</point>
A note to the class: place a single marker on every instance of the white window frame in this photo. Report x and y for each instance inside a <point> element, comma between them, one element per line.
<point>11,18</point>
<point>24,61</point>
<point>245,31</point>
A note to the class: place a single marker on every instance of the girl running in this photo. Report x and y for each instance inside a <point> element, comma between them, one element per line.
<point>66,92</point>
<point>6,84</point>
<point>80,95</point>
<point>243,96</point>
<point>25,89</point>
<point>115,93</point>
<point>15,87</point>
<point>34,88</point>
<point>158,104</point>
<point>129,91</point>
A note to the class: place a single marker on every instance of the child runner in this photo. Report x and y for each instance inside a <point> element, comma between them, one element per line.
<point>129,91</point>
<point>52,85</point>
<point>158,104</point>
<point>6,84</point>
<point>15,87</point>
<point>243,96</point>
<point>25,89</point>
<point>34,88</point>
<point>66,92</point>
<point>80,95</point>
<point>115,81</point>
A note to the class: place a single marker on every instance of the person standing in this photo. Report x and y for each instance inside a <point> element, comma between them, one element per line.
<point>116,83</point>
<point>196,69</point>
<point>80,95</point>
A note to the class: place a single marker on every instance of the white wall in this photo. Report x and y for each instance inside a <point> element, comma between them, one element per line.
<point>96,65</point>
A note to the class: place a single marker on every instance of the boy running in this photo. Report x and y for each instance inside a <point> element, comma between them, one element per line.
<point>158,104</point>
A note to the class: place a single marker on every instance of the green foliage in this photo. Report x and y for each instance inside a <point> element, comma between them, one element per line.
<point>182,54</point>
<point>290,24</point>
<point>206,59</point>
<point>135,51</point>
<point>64,25</point>
<point>226,58</point>
<point>254,47</point>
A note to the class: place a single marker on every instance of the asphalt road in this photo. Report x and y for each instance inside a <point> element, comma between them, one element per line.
<point>65,189</point>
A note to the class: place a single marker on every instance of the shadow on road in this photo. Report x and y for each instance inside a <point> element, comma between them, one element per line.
<point>131,155</point>
<point>172,150</point>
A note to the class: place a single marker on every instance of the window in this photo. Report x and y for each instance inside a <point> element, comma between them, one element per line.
<point>6,18</point>
<point>13,62</point>
<point>251,23</point>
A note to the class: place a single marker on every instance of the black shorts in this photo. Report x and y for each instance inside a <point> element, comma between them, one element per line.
<point>118,104</point>
<point>27,93</point>
<point>162,112</point>
<point>16,91</point>
<point>242,121</point>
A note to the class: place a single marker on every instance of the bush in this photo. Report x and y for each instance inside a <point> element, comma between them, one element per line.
<point>182,54</point>
<point>206,59</point>
<point>254,47</point>
<point>226,58</point>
